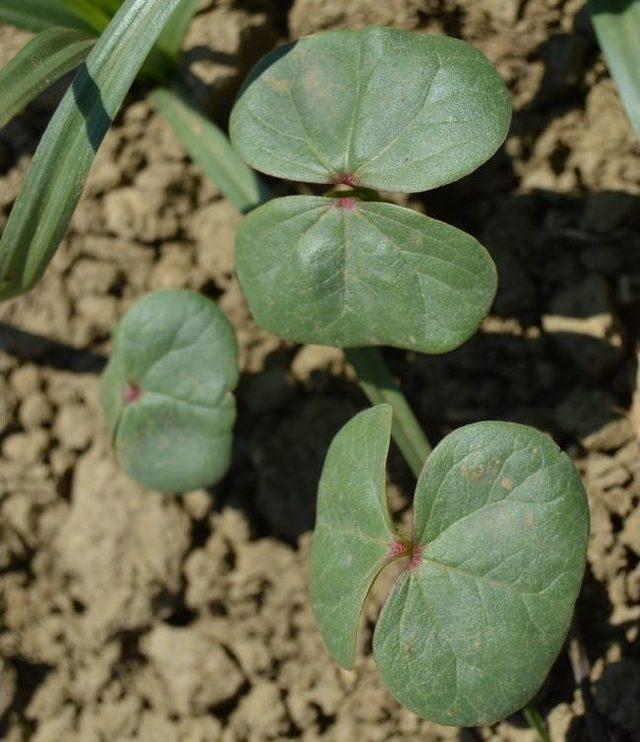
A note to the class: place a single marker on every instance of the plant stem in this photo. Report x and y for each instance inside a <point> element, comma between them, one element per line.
<point>535,721</point>
<point>379,386</point>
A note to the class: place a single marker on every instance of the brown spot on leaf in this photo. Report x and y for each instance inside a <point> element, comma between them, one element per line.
<point>280,86</point>
<point>475,473</point>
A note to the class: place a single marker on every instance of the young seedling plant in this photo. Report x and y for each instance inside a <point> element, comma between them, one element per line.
<point>167,391</point>
<point>493,565</point>
<point>495,559</point>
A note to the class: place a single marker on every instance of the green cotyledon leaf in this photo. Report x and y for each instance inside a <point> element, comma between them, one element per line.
<point>167,391</point>
<point>476,620</point>
<point>344,272</point>
<point>381,108</point>
<point>353,537</point>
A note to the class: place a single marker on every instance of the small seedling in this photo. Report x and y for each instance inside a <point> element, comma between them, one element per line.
<point>372,109</point>
<point>167,391</point>
<point>493,566</point>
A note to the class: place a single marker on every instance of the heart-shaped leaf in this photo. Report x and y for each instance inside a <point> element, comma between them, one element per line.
<point>473,626</point>
<point>380,107</point>
<point>347,273</point>
<point>353,538</point>
<point>166,391</point>
<point>482,608</point>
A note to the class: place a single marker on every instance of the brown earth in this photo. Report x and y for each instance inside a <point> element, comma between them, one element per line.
<point>133,616</point>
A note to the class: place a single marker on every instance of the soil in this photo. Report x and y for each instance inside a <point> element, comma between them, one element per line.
<point>134,616</point>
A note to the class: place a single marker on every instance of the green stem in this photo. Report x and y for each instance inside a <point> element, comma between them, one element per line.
<point>379,386</point>
<point>535,721</point>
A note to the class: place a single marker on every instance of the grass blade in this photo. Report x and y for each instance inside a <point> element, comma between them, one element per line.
<point>172,34</point>
<point>45,59</point>
<point>60,167</point>
<point>90,12</point>
<point>210,148</point>
<point>113,5</point>
<point>38,15</point>
<point>617,25</point>
<point>109,6</point>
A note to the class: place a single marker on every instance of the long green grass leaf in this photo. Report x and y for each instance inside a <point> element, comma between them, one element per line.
<point>109,6</point>
<point>210,148</point>
<point>38,15</point>
<point>617,24</point>
<point>45,59</point>
<point>173,33</point>
<point>91,12</point>
<point>60,167</point>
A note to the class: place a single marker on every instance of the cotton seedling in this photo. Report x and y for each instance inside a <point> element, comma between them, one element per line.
<point>373,109</point>
<point>493,565</point>
<point>167,391</point>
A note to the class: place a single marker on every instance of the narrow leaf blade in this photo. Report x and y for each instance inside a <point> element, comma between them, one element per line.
<point>166,391</point>
<point>364,273</point>
<point>381,108</point>
<point>210,148</point>
<point>38,15</point>
<point>617,25</point>
<point>471,631</point>
<point>172,34</point>
<point>45,59</point>
<point>353,533</point>
<point>60,167</point>
<point>109,6</point>
<point>92,13</point>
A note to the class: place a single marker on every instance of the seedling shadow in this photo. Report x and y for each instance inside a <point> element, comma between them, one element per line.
<point>28,346</point>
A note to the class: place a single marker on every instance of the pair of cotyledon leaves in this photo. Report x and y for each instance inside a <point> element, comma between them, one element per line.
<point>481,610</point>
<point>379,109</point>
